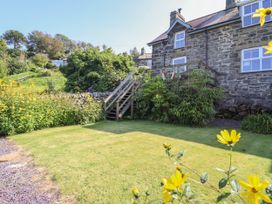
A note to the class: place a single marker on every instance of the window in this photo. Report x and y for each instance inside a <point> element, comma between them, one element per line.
<point>180,40</point>
<point>249,10</point>
<point>255,60</point>
<point>180,61</point>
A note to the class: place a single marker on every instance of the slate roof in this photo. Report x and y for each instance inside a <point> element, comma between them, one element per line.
<point>206,22</point>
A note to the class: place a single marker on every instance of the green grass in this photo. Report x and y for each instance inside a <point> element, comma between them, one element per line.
<point>100,163</point>
<point>41,82</point>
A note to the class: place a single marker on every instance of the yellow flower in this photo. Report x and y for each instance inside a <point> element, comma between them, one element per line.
<point>136,193</point>
<point>175,182</point>
<point>262,13</point>
<point>167,198</point>
<point>268,48</point>
<point>167,147</point>
<point>227,138</point>
<point>253,193</point>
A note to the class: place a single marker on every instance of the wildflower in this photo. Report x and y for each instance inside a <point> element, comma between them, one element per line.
<point>253,193</point>
<point>262,13</point>
<point>136,193</point>
<point>167,147</point>
<point>268,48</point>
<point>166,195</point>
<point>227,138</point>
<point>175,182</point>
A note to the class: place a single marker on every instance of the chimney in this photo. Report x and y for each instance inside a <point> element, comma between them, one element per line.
<point>230,4</point>
<point>174,15</point>
<point>142,51</point>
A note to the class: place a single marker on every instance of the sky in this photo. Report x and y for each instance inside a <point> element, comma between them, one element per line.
<point>120,24</point>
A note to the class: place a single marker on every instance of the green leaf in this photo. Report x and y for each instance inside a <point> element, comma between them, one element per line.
<point>235,186</point>
<point>223,196</point>
<point>222,183</point>
<point>204,178</point>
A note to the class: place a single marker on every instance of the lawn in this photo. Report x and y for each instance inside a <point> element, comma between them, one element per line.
<point>100,163</point>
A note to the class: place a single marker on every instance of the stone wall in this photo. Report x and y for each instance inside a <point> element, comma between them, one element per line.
<point>224,57</point>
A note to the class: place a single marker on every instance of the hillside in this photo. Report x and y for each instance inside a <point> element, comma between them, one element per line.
<point>40,80</point>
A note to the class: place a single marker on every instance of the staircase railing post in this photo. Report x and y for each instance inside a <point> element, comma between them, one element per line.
<point>117,110</point>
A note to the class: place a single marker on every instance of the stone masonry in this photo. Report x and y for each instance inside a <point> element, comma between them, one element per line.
<point>220,50</point>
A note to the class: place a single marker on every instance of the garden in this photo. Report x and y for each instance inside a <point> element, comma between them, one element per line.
<point>48,114</point>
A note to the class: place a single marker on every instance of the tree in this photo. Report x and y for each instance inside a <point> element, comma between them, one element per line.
<point>39,42</point>
<point>134,52</point>
<point>84,46</point>
<point>101,70</point>
<point>14,38</point>
<point>68,44</point>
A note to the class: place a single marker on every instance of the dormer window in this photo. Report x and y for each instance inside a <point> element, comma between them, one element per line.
<point>179,40</point>
<point>248,10</point>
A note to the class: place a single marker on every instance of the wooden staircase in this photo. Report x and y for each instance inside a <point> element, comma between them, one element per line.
<point>122,98</point>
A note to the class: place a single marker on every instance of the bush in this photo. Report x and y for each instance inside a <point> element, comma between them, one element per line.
<point>24,111</point>
<point>40,60</point>
<point>260,123</point>
<point>187,100</point>
<point>16,66</point>
<point>101,70</point>
<point>3,68</point>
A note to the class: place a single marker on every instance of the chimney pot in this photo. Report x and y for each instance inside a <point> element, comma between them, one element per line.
<point>230,4</point>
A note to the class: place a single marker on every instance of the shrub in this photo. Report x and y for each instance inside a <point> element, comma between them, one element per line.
<point>260,123</point>
<point>40,60</point>
<point>3,68</point>
<point>16,66</point>
<point>24,111</point>
<point>186,100</point>
<point>101,70</point>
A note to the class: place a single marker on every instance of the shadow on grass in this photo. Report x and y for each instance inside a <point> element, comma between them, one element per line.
<point>250,143</point>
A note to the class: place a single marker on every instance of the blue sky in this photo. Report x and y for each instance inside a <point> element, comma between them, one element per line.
<point>120,24</point>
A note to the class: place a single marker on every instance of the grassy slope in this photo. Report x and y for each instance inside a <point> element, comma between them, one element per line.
<point>41,83</point>
<point>100,163</point>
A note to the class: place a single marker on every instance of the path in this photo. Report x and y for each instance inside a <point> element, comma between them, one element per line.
<point>20,181</point>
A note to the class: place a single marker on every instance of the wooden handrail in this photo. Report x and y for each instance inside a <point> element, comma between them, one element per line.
<point>121,91</point>
<point>120,86</point>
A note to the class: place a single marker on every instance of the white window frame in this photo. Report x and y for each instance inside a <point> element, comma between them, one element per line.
<point>260,2</point>
<point>179,58</point>
<point>177,40</point>
<point>261,57</point>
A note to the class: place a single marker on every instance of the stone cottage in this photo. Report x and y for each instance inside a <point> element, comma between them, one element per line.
<point>229,42</point>
<point>144,60</point>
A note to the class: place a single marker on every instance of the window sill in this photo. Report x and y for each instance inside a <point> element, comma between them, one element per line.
<point>254,72</point>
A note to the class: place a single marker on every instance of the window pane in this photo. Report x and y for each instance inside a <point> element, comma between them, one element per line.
<point>247,9</point>
<point>247,54</point>
<point>255,53</point>
<point>247,20</point>
<point>255,65</point>
<point>267,64</point>
<point>180,36</point>
<point>180,44</point>
<point>179,61</point>
<point>255,21</point>
<point>246,66</point>
<point>254,7</point>
<point>266,55</point>
<point>266,3</point>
